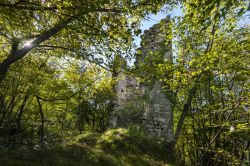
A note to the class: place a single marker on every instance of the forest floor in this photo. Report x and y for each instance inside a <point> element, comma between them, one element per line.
<point>116,147</point>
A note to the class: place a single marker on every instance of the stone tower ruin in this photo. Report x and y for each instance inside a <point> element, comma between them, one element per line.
<point>141,103</point>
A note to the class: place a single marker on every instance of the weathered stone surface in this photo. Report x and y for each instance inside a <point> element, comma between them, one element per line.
<point>156,108</point>
<point>162,119</point>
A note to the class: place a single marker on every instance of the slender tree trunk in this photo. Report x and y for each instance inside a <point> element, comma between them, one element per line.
<point>20,114</point>
<point>42,120</point>
<point>93,122</point>
<point>7,111</point>
<point>185,110</point>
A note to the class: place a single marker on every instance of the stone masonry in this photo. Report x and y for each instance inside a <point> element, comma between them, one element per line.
<point>156,114</point>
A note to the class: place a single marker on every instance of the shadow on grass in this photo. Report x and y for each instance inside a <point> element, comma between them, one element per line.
<point>115,147</point>
<point>69,155</point>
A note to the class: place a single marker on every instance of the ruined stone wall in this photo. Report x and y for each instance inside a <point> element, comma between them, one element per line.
<point>149,100</point>
<point>129,104</point>
<point>154,41</point>
<point>158,116</point>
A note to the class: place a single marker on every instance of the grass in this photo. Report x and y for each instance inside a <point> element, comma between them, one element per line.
<point>116,147</point>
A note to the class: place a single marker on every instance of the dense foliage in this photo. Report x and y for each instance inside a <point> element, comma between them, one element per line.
<point>58,68</point>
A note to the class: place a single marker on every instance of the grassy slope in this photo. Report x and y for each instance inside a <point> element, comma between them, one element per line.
<point>115,147</point>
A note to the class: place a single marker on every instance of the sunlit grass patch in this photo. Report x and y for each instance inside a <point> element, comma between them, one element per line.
<point>115,147</point>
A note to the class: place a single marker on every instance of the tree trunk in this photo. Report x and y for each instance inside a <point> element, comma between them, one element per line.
<point>19,54</point>
<point>185,110</point>
<point>20,114</point>
<point>42,120</point>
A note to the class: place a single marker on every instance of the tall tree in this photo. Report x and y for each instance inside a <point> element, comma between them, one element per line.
<point>208,90</point>
<point>66,24</point>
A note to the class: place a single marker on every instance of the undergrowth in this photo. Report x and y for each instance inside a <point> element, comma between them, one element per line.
<point>115,147</point>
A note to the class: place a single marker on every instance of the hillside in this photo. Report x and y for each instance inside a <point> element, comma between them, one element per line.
<point>114,147</point>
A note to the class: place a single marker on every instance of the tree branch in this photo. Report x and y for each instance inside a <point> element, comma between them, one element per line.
<point>79,54</point>
<point>17,55</point>
<point>53,8</point>
<point>66,98</point>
